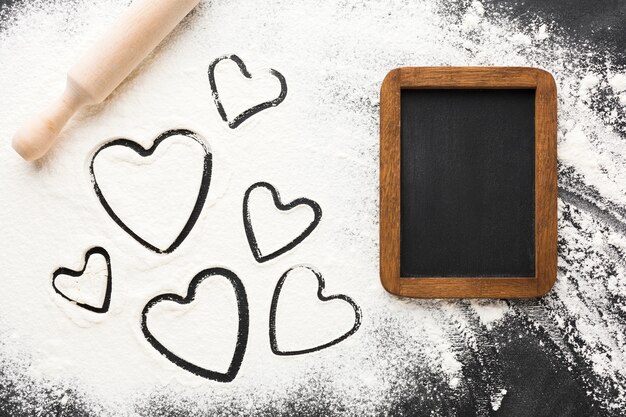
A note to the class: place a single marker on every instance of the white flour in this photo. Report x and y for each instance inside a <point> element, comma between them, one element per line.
<point>320,143</point>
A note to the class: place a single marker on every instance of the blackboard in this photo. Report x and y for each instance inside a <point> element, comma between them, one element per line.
<point>468,182</point>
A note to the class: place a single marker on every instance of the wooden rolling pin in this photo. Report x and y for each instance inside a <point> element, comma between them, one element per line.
<point>142,27</point>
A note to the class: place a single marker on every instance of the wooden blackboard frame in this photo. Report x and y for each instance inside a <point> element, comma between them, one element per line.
<point>545,181</point>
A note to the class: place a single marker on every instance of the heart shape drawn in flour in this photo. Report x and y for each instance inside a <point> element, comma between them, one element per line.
<point>82,287</point>
<point>243,116</point>
<point>250,234</point>
<point>136,185</point>
<point>296,319</point>
<point>211,275</point>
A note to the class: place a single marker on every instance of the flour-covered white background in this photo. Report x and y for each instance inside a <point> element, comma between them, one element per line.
<point>411,357</point>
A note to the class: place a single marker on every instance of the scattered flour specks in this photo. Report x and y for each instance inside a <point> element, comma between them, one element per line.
<point>618,82</point>
<point>496,400</point>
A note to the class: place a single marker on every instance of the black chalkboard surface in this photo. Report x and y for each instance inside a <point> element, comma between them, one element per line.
<point>467,183</point>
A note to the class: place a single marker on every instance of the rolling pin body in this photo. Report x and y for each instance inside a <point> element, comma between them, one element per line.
<point>92,79</point>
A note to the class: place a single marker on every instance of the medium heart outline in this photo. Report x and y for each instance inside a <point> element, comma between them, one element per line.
<point>246,114</point>
<point>242,330</point>
<point>254,247</point>
<point>145,152</point>
<point>321,285</point>
<point>73,273</point>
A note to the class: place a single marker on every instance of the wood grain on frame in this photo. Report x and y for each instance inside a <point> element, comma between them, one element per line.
<point>545,181</point>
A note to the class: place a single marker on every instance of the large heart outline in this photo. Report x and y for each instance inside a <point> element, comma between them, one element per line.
<point>73,273</point>
<point>242,331</point>
<point>246,114</point>
<point>320,288</point>
<point>145,152</point>
<point>252,241</point>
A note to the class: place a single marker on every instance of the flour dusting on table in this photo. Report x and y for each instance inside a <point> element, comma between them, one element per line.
<point>321,143</point>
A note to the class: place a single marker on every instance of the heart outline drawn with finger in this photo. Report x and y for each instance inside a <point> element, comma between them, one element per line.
<point>284,207</point>
<point>77,273</point>
<point>146,152</point>
<point>246,114</point>
<point>320,289</point>
<point>242,330</point>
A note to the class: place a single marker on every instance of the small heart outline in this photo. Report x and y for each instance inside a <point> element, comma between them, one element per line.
<point>145,152</point>
<point>321,285</point>
<point>73,273</point>
<point>242,329</point>
<point>246,114</point>
<point>252,241</point>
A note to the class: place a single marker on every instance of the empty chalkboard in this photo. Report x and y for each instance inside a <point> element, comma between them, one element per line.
<point>468,182</point>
